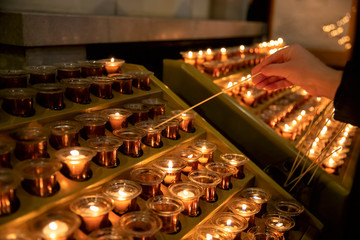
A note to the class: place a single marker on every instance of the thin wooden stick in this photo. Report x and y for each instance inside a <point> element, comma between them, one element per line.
<point>209,98</point>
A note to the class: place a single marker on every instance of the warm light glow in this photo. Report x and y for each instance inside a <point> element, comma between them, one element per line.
<point>294,122</point>
<point>331,161</point>
<point>299,117</point>
<point>323,131</point>
<point>74,153</point>
<point>272,51</point>
<point>280,40</point>
<point>209,237</point>
<point>112,60</point>
<point>190,54</point>
<point>287,127</point>
<point>317,139</point>
<point>117,114</point>
<point>256,197</point>
<point>122,193</point>
<point>170,164</point>
<point>279,224</point>
<point>230,84</point>
<point>223,50</point>
<point>208,51</point>
<point>201,53</point>
<point>248,93</point>
<point>53,226</point>
<point>186,193</point>
<point>242,48</point>
<point>190,156</point>
<point>342,140</point>
<point>312,151</point>
<point>228,222</point>
<point>203,148</point>
<point>303,112</point>
<point>243,207</point>
<point>94,208</point>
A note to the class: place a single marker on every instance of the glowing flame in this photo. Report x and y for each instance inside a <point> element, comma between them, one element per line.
<point>94,208</point>
<point>303,112</point>
<point>228,222</point>
<point>209,237</point>
<point>243,207</point>
<point>170,164</point>
<point>201,53</point>
<point>53,226</point>
<point>294,122</point>
<point>317,139</point>
<point>208,51</point>
<point>279,224</point>
<point>323,131</point>
<point>299,117</point>
<point>122,193</point>
<point>190,54</point>
<point>112,60</point>
<point>242,48</point>
<point>248,94</point>
<point>223,50</point>
<point>203,149</point>
<point>186,192</point>
<point>256,197</point>
<point>74,153</point>
<point>190,156</point>
<point>280,40</point>
<point>287,127</point>
<point>230,84</point>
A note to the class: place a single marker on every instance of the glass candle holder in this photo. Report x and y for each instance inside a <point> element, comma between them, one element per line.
<point>172,166</point>
<point>225,171</point>
<point>112,65</point>
<point>68,70</point>
<point>123,194</point>
<point>109,233</point>
<point>156,105</point>
<point>189,193</point>
<point>56,225</point>
<point>122,83</point>
<point>16,234</point>
<point>236,160</point>
<point>39,176</point>
<point>106,148</point>
<point>140,112</point>
<point>93,124</point>
<point>64,134</point>
<point>153,135</point>
<point>187,120</point>
<point>31,142</point>
<point>189,57</point>
<point>6,147</point>
<point>9,181</point>
<point>41,74</point>
<point>131,138</point>
<point>101,87</point>
<point>191,156</point>
<point>76,162</point>
<point>141,79</point>
<point>94,211</point>
<point>211,231</point>
<point>231,223</point>
<point>140,225</point>
<point>13,78</point>
<point>171,130</point>
<point>245,208</point>
<point>50,95</point>
<point>290,208</point>
<point>117,117</point>
<point>279,222</point>
<point>77,90</point>
<point>18,101</point>
<point>262,232</point>
<point>208,180</point>
<point>258,195</point>
<point>207,150</point>
<point>150,180</point>
<point>91,68</point>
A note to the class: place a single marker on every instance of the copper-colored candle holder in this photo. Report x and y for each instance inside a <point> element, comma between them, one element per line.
<point>279,222</point>
<point>187,120</point>
<point>140,112</point>
<point>150,180</point>
<point>258,195</point>
<point>18,101</point>
<point>39,176</point>
<point>245,208</point>
<point>171,130</point>
<point>117,117</point>
<point>153,135</point>
<point>123,194</point>
<point>231,223</point>
<point>189,193</point>
<point>106,148</point>
<point>101,87</point>
<point>68,70</point>
<point>141,225</point>
<point>236,160</point>
<point>122,83</point>
<point>41,74</point>
<point>31,142</point>
<point>60,225</point>
<point>156,105</point>
<point>208,180</point>
<point>141,79</point>
<point>6,147</point>
<point>9,181</point>
<point>172,166</point>
<point>131,138</point>
<point>168,209</point>
<point>76,162</point>
<point>206,148</point>
<point>211,231</point>
<point>13,78</point>
<point>50,95</point>
<point>109,233</point>
<point>94,211</point>
<point>112,65</point>
<point>91,68</point>
<point>64,134</point>
<point>77,90</point>
<point>93,124</point>
<point>225,171</point>
<point>191,156</point>
<point>189,57</point>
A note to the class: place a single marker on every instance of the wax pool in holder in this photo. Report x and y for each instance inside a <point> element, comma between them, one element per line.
<point>91,68</point>
<point>9,181</point>
<point>238,161</point>
<point>225,171</point>
<point>290,208</point>
<point>41,74</point>
<point>6,147</point>
<point>117,117</point>
<point>187,120</point>
<point>94,211</point>
<point>153,135</point>
<point>13,78</point>
<point>172,166</point>
<point>141,79</point>
<point>207,149</point>
<point>211,232</point>
<point>140,112</point>
<point>279,222</point>
<point>64,134</point>
<point>112,65</point>
<point>122,83</point>
<point>258,195</point>
<point>68,70</point>
<point>171,130</point>
<point>93,124</point>
<point>18,101</point>
<point>262,232</point>
<point>106,148</point>
<point>150,180</point>
<point>245,208</point>
<point>156,105</point>
<point>208,180</point>
<point>50,95</point>
<point>39,176</point>
<point>191,156</point>
<point>231,223</point>
<point>131,138</point>
<point>101,86</point>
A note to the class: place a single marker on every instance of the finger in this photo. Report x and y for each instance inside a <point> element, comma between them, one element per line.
<point>278,57</point>
<point>268,81</point>
<point>282,70</point>
<point>278,85</point>
<point>258,78</point>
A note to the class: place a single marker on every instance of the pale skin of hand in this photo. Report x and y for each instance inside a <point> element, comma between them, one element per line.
<point>294,65</point>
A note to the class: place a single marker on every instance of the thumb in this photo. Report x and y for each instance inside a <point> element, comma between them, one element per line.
<point>276,69</point>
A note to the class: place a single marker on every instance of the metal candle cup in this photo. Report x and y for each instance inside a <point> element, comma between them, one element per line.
<point>225,171</point>
<point>9,181</point>
<point>94,211</point>
<point>141,79</point>
<point>41,74</point>
<point>231,223</point>
<point>171,130</point>
<point>150,180</point>
<point>6,147</point>
<point>68,70</point>
<point>245,208</point>
<point>191,156</point>
<point>186,120</point>
<point>140,112</point>
<point>64,134</point>
<point>189,193</point>
<point>13,78</point>
<point>93,124</point>
<point>76,162</point>
<point>238,161</point>
<point>211,232</point>
<point>50,95</point>
<point>91,68</point>
<point>206,148</point>
<point>123,194</point>
<point>208,180</point>
<point>172,166</point>
<point>112,65</point>
<point>39,176</point>
<point>117,117</point>
<point>122,83</point>
<point>156,105</point>
<point>262,232</point>
<point>258,195</point>
<point>18,101</point>
<point>101,86</point>
<point>77,90</point>
<point>131,138</point>
<point>168,209</point>
<point>153,135</point>
<point>106,148</point>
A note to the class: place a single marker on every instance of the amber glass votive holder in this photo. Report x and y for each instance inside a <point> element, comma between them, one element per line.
<point>211,231</point>
<point>206,148</point>
<point>123,194</point>
<point>290,208</point>
<point>64,134</point>
<point>140,112</point>
<point>77,90</point>
<point>13,78</point>
<point>245,208</point>
<point>141,225</point>
<point>109,233</point>
<point>112,65</point>
<point>18,101</point>
<point>236,160</point>
<point>30,143</point>
<point>101,86</point>
<point>153,135</point>
<point>258,195</point>
<point>68,70</point>
<point>76,162</point>
<point>50,95</point>
<point>150,180</point>
<point>279,222</point>
<point>94,124</point>
<point>189,193</point>
<point>41,74</point>
<point>171,130</point>
<point>262,232</point>
<point>172,167</point>
<point>117,117</point>
<point>208,180</point>
<point>156,105</point>
<point>122,83</point>
<point>131,138</point>
<point>9,181</point>
<point>231,223</point>
<point>191,156</point>
<point>39,176</point>
<point>141,79</point>
<point>56,225</point>
<point>106,148</point>
<point>187,120</point>
<point>6,148</point>
<point>91,68</point>
<point>225,171</point>
<point>94,211</point>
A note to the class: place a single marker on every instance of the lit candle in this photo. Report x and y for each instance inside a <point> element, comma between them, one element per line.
<point>114,65</point>
<point>209,55</point>
<point>208,180</point>
<point>245,208</point>
<point>231,223</point>
<point>55,229</point>
<point>200,58</point>
<point>117,117</point>
<point>223,54</point>
<point>206,148</point>
<point>249,98</point>
<point>191,156</point>
<point>189,57</point>
<point>172,166</point>
<point>236,160</point>
<point>242,48</point>
<point>257,195</point>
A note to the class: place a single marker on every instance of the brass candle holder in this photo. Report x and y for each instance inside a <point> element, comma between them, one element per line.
<point>77,89</point>
<point>131,138</point>
<point>187,120</point>
<point>93,124</point>
<point>117,117</point>
<point>64,134</point>
<point>236,160</point>
<point>106,148</point>
<point>207,149</point>
<point>191,156</point>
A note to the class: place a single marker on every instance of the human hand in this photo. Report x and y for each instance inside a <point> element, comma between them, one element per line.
<point>294,65</point>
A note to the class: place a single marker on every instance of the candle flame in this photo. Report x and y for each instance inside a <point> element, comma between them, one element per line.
<point>122,193</point>
<point>117,114</point>
<point>323,131</point>
<point>209,237</point>
<point>287,127</point>
<point>190,156</point>
<point>53,226</point>
<point>312,151</point>
<point>294,122</point>
<point>303,112</point>
<point>299,117</point>
<point>223,50</point>
<point>203,148</point>
<point>248,93</point>
<point>94,208</point>
<point>331,161</point>
<point>280,40</point>
<point>170,165</point>
<point>74,153</point>
<point>342,140</point>
<point>256,197</point>
<point>228,222</point>
<point>112,60</point>
<point>186,192</point>
<point>190,54</point>
<point>317,139</point>
<point>243,207</point>
<point>242,48</point>
<point>208,51</point>
<point>279,224</point>
<point>229,85</point>
<point>201,53</point>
